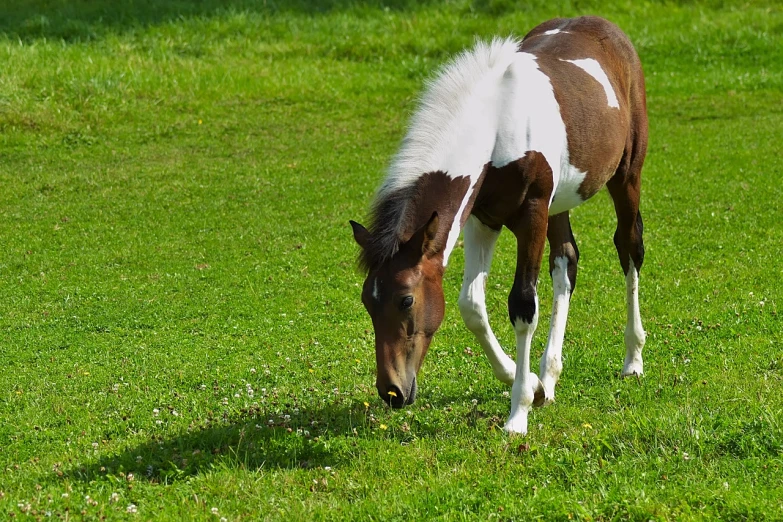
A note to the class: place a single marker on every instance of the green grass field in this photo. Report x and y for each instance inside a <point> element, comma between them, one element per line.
<point>181,333</point>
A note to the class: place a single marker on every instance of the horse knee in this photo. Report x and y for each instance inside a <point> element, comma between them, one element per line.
<point>629,243</point>
<point>523,306</point>
<point>637,250</point>
<point>471,312</point>
<point>567,262</point>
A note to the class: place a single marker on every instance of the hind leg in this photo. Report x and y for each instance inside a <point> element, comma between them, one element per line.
<point>563,258</point>
<point>624,190</point>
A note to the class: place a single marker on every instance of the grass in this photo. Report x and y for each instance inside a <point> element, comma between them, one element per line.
<point>181,329</point>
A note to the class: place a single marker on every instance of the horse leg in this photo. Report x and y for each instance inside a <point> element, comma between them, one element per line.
<point>479,247</point>
<point>529,225</point>
<point>563,258</point>
<point>624,190</point>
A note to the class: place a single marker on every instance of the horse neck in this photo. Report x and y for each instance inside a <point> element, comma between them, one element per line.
<point>460,175</point>
<point>451,197</point>
<point>452,158</point>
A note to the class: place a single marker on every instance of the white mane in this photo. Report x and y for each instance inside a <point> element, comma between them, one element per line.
<point>443,101</point>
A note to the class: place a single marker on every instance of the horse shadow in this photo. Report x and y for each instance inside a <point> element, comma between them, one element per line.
<point>78,21</point>
<point>251,439</point>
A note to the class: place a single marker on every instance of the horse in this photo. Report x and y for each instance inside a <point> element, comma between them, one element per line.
<point>512,133</point>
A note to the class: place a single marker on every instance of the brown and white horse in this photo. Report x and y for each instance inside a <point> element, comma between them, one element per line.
<point>510,134</point>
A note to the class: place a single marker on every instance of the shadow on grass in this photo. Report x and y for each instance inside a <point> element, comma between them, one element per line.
<point>253,439</point>
<point>78,20</point>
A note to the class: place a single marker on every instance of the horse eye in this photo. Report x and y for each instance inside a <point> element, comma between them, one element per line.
<point>406,303</point>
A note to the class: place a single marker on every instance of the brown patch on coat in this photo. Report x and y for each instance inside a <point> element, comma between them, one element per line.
<point>505,189</point>
<point>436,192</point>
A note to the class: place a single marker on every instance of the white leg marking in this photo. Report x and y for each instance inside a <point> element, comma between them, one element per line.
<point>634,333</point>
<point>526,384</point>
<point>552,360</point>
<point>594,69</point>
<point>479,247</point>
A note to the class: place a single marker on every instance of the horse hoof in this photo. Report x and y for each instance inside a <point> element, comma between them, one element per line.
<point>633,369</point>
<point>516,426</point>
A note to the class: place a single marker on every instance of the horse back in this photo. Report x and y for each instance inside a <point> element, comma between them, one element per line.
<point>597,79</point>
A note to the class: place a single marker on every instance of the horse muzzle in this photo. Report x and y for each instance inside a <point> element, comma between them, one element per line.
<point>395,397</point>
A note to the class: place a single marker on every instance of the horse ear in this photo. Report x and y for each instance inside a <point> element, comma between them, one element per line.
<point>428,246</point>
<point>360,234</point>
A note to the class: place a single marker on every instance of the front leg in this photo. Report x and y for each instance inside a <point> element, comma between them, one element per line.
<point>479,246</point>
<point>530,227</point>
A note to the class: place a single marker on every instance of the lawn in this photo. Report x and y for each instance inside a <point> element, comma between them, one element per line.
<point>180,325</point>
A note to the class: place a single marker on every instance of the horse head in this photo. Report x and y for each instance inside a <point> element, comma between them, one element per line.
<point>404,297</point>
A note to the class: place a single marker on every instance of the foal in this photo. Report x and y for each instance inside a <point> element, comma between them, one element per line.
<point>510,134</point>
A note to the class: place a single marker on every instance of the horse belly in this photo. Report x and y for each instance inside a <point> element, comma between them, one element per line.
<point>566,195</point>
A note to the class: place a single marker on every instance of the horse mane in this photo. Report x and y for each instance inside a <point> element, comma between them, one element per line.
<point>426,143</point>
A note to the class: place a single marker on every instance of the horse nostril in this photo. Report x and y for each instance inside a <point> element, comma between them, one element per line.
<point>393,397</point>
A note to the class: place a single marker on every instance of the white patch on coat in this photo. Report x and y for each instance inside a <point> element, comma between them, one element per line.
<point>566,195</point>
<point>554,31</point>
<point>594,69</point>
<point>455,225</point>
<point>531,121</point>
